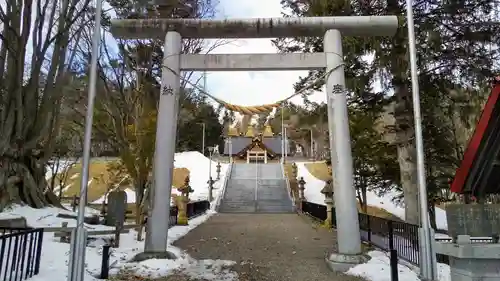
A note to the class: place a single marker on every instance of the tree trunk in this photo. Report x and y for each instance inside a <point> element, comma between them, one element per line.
<point>360,199</point>
<point>61,187</point>
<point>144,207</point>
<point>405,135</point>
<point>408,172</point>
<point>432,215</point>
<point>22,181</point>
<point>54,169</point>
<point>364,206</point>
<point>139,195</point>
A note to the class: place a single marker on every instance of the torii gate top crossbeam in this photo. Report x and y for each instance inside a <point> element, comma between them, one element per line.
<point>256,27</point>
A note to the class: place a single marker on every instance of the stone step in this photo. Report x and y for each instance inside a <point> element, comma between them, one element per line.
<point>274,207</point>
<point>237,207</point>
<point>255,188</point>
<point>260,207</point>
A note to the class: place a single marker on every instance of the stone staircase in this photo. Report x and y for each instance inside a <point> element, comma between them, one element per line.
<point>256,188</point>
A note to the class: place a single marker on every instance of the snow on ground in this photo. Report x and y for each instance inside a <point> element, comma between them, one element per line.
<point>314,185</point>
<point>46,217</point>
<point>63,165</point>
<point>55,255</point>
<point>441,221</point>
<point>198,166</point>
<point>130,197</point>
<point>379,262</point>
<point>378,269</point>
<point>58,188</point>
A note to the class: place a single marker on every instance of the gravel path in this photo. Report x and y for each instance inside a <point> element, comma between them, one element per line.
<point>266,247</point>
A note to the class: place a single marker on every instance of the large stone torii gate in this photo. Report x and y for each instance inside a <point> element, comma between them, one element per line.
<point>332,28</point>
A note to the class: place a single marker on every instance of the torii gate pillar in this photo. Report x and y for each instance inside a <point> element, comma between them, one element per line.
<point>348,233</point>
<point>346,211</point>
<point>166,132</point>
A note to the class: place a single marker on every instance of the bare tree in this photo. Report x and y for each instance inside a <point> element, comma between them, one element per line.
<point>128,93</point>
<point>34,40</point>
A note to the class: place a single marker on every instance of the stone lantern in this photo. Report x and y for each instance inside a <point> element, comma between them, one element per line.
<point>218,170</point>
<point>302,186</point>
<point>210,189</point>
<point>182,218</point>
<point>327,191</point>
<point>294,170</point>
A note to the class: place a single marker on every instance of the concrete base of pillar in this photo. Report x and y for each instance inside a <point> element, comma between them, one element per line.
<point>342,263</point>
<point>153,255</point>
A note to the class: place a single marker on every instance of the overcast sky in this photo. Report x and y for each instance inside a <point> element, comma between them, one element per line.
<point>259,87</point>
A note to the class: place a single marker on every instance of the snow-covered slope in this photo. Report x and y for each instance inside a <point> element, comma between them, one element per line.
<point>314,185</point>
<point>198,166</point>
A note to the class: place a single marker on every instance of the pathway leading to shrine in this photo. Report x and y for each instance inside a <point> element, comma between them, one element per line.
<point>266,247</point>
<point>258,228</point>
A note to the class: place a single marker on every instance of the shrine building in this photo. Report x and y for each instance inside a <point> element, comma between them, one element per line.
<point>253,147</point>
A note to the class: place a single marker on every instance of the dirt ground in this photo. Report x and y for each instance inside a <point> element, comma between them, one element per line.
<point>265,247</point>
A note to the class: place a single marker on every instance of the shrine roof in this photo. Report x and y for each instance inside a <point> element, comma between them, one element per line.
<point>479,171</point>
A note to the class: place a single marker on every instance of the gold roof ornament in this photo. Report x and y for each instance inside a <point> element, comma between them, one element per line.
<point>233,132</point>
<point>268,131</point>
<point>250,132</point>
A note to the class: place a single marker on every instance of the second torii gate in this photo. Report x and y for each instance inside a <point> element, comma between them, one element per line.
<point>332,28</point>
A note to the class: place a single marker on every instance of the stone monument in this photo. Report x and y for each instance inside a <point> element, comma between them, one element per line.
<point>469,259</point>
<point>117,208</point>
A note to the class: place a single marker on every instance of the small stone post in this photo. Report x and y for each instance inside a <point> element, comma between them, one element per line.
<point>302,184</point>
<point>210,189</point>
<point>182,218</point>
<point>65,238</point>
<point>328,192</point>
<point>75,202</point>
<point>103,207</point>
<point>218,170</point>
<point>118,231</point>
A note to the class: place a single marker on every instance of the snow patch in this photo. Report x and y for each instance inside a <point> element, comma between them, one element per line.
<point>198,166</point>
<point>314,185</point>
<point>378,269</point>
<point>63,165</point>
<point>55,255</point>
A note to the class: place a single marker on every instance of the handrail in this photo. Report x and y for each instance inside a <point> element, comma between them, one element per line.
<point>287,182</point>
<point>226,180</point>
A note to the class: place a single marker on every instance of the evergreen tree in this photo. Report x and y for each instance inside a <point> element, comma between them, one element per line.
<point>454,45</point>
<point>190,131</point>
